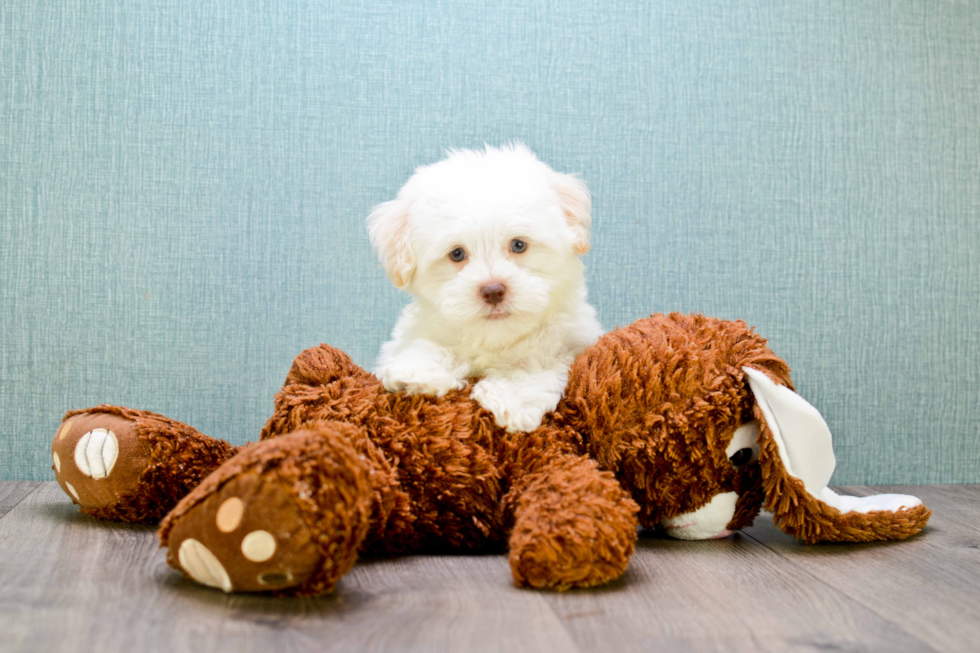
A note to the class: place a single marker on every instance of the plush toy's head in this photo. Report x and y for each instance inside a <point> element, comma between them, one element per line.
<point>699,421</point>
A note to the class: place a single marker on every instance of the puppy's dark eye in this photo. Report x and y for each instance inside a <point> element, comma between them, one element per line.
<point>458,254</point>
<point>518,246</point>
<point>741,457</point>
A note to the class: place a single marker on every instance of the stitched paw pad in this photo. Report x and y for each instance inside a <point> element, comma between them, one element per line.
<point>97,458</point>
<point>246,537</point>
<point>96,453</point>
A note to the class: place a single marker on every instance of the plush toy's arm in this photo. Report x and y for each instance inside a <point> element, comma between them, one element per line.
<point>322,384</point>
<point>574,525</point>
<point>286,515</point>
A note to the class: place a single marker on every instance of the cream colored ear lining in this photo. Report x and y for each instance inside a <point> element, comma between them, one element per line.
<point>803,439</point>
<point>873,503</point>
<point>806,449</point>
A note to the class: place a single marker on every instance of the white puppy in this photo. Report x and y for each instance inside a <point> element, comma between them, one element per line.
<point>488,244</point>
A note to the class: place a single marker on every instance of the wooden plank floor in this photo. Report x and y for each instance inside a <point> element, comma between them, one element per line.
<point>70,583</point>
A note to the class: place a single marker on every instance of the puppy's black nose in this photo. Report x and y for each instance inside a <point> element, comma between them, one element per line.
<point>493,293</point>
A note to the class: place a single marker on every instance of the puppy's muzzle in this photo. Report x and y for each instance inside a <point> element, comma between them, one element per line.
<point>493,293</point>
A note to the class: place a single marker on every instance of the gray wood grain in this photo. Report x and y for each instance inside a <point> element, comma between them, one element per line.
<point>731,594</point>
<point>70,583</point>
<point>13,492</point>
<point>928,584</point>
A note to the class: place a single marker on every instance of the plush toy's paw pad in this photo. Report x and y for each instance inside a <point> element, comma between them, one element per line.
<point>96,453</point>
<point>97,458</point>
<point>201,565</point>
<point>204,567</point>
<point>246,537</point>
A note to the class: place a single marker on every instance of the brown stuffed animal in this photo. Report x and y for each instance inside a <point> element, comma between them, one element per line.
<point>682,422</point>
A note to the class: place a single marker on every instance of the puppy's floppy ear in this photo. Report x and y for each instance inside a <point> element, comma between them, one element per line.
<point>577,206</point>
<point>797,459</point>
<point>389,231</point>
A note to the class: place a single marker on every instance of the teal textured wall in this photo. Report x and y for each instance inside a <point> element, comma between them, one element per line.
<point>184,186</point>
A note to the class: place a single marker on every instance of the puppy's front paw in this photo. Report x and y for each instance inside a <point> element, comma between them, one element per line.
<point>513,409</point>
<point>418,378</point>
<point>524,418</point>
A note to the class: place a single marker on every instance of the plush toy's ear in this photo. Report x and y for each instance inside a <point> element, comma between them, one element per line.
<point>389,230</point>
<point>797,459</point>
<point>577,205</point>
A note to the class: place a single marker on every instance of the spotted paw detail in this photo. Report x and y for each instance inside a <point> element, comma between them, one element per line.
<point>229,515</point>
<point>97,458</point>
<point>130,465</point>
<point>259,546</point>
<point>245,537</point>
<point>202,566</point>
<point>96,453</point>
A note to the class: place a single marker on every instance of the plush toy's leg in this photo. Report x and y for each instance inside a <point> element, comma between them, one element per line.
<point>285,515</point>
<point>131,465</point>
<point>574,526</point>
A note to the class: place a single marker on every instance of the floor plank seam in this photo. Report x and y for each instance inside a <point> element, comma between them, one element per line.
<point>847,595</point>
<point>65,571</point>
<point>37,485</point>
<point>564,627</point>
<point>940,517</point>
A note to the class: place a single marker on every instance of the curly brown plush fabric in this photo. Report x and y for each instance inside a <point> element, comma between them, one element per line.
<point>803,517</point>
<point>344,467</point>
<point>313,467</point>
<point>447,476</point>
<point>569,527</point>
<point>660,399</point>
<point>163,460</point>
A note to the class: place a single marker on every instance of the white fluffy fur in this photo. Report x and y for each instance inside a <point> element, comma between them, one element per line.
<point>521,348</point>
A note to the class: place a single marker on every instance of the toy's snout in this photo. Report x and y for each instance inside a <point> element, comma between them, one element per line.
<point>712,520</point>
<point>708,522</point>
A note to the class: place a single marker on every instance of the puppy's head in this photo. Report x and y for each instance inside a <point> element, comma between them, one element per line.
<point>489,239</point>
